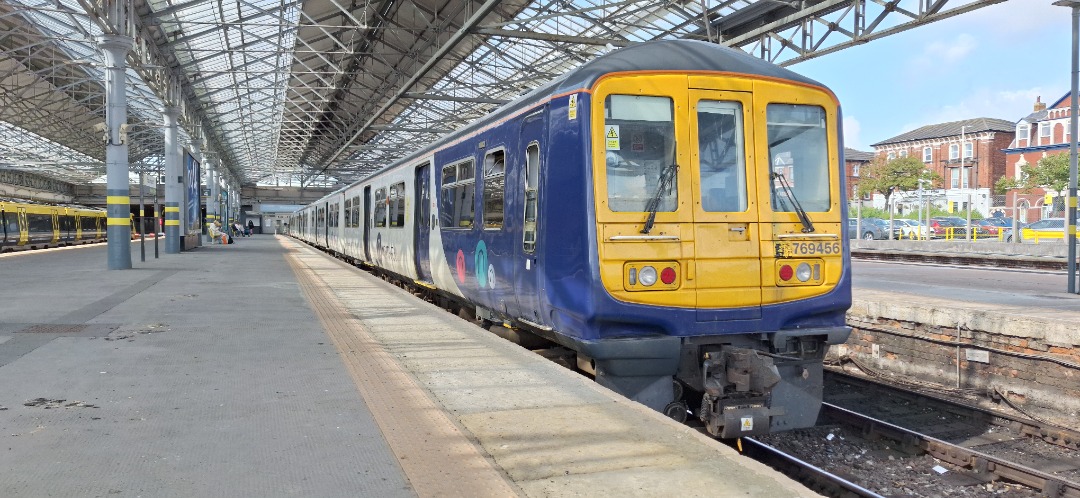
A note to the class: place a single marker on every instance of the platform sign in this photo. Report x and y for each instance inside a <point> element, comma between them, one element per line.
<point>192,181</point>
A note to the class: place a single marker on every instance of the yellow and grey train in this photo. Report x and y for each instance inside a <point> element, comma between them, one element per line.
<point>27,225</point>
<point>673,212</point>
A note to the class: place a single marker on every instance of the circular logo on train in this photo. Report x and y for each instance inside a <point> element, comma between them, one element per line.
<point>460,266</point>
<point>491,276</point>
<point>481,261</point>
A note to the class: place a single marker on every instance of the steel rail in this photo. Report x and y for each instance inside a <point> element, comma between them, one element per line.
<point>810,471</point>
<point>964,457</point>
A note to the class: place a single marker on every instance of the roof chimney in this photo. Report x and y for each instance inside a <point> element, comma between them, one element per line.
<point>1039,106</point>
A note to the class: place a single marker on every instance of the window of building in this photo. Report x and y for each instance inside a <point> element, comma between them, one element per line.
<point>927,154</point>
<point>903,153</point>
<point>1044,130</point>
<point>968,150</point>
<point>494,188</point>
<point>855,169</point>
<point>954,152</point>
<point>458,191</point>
<point>1023,131</point>
<point>891,156</point>
<point>380,207</point>
<point>954,180</point>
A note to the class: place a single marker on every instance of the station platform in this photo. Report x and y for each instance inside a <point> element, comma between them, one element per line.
<point>267,368</point>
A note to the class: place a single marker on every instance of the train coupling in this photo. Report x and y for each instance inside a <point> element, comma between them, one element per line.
<point>737,385</point>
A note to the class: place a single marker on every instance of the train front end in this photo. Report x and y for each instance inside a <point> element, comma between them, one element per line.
<point>719,213</point>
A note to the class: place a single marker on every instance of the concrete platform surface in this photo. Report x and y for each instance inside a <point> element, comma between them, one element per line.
<point>267,368</point>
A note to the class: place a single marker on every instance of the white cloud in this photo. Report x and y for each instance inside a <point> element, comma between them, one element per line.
<point>950,51</point>
<point>1010,105</point>
<point>852,130</point>
<point>1018,18</point>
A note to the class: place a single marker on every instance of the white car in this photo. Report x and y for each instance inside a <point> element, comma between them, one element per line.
<point>910,229</point>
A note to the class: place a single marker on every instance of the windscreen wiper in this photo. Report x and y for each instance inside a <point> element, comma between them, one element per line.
<point>808,227</point>
<point>666,177</point>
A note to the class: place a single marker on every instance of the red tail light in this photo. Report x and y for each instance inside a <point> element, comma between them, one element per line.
<point>667,275</point>
<point>786,272</point>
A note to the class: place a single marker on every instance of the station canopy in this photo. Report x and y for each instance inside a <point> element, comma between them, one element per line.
<point>321,93</point>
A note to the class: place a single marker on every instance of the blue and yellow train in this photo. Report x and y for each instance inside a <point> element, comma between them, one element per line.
<point>28,225</point>
<point>673,212</point>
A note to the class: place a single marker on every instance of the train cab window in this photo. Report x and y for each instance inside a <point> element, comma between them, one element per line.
<point>798,153</point>
<point>397,205</point>
<point>639,136</point>
<point>494,188</point>
<point>457,207</point>
<point>721,156</point>
<point>380,207</point>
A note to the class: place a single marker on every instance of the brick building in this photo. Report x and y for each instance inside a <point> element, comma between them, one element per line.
<point>854,162</point>
<point>1042,133</point>
<point>968,155</point>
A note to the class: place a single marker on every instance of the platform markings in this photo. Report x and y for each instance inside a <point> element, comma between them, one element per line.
<point>436,456</point>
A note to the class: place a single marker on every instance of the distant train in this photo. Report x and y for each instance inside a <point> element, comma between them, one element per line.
<point>673,212</point>
<point>27,225</point>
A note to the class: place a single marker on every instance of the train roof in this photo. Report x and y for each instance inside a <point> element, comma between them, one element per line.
<point>651,56</point>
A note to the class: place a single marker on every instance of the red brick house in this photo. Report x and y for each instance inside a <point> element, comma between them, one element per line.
<point>854,162</point>
<point>968,155</point>
<point>1042,133</point>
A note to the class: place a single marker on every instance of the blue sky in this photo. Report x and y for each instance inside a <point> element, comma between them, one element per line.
<point>992,63</point>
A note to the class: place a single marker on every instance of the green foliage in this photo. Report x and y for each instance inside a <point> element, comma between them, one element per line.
<point>887,176</point>
<point>1005,184</point>
<point>1051,173</point>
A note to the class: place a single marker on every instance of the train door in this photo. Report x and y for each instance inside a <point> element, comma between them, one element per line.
<point>423,225</point>
<point>24,227</point>
<point>727,263</point>
<point>367,222</point>
<point>527,274</point>
<point>324,219</point>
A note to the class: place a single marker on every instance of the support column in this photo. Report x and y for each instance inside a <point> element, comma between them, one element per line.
<point>118,188</point>
<point>174,182</point>
<point>215,189</point>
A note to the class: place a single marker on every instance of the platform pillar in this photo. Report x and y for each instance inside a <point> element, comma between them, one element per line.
<point>174,181</point>
<point>115,48</point>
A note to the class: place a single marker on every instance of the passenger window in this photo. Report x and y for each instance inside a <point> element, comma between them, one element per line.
<point>798,153</point>
<point>355,211</point>
<point>639,137</point>
<point>397,205</point>
<point>348,213</point>
<point>380,207</point>
<point>721,156</point>
<point>494,188</point>
<point>532,173</point>
<point>458,194</point>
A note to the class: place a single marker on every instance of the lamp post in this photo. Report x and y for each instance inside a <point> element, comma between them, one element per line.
<point>966,184</point>
<point>1071,212</point>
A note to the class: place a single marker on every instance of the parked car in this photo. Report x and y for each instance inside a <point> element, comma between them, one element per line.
<point>868,229</point>
<point>994,225</point>
<point>1051,228</point>
<point>911,229</point>
<point>943,226</point>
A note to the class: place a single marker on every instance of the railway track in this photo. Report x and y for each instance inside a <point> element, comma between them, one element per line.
<point>889,442</point>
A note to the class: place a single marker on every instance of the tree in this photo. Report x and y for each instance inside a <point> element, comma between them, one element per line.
<point>886,176</point>
<point>1051,173</point>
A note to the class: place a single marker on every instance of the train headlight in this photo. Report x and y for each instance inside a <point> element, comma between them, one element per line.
<point>647,276</point>
<point>802,272</point>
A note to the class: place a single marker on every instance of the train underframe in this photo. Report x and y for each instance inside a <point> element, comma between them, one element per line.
<point>737,385</point>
